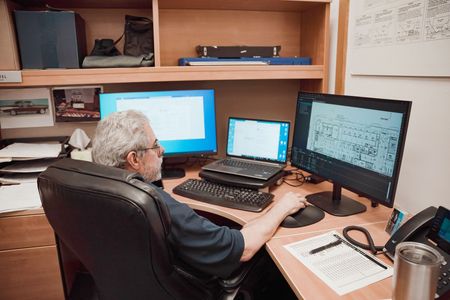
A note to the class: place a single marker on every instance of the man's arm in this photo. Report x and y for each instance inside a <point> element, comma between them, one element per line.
<point>257,232</point>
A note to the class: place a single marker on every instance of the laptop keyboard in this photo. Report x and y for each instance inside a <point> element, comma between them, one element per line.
<point>223,195</point>
<point>249,166</point>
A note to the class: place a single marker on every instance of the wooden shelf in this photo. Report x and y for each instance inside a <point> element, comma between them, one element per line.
<point>57,77</point>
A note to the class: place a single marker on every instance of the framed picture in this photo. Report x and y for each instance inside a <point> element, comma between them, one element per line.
<point>77,104</point>
<point>21,108</point>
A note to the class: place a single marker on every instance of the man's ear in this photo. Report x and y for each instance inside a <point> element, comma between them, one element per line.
<point>132,161</point>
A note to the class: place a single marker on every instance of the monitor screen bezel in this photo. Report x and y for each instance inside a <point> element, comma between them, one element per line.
<point>254,158</point>
<point>400,150</point>
<point>169,92</point>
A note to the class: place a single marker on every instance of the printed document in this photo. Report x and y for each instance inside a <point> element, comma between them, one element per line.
<point>342,266</point>
<point>19,197</point>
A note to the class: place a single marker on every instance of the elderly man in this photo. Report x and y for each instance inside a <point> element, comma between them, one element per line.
<point>126,140</point>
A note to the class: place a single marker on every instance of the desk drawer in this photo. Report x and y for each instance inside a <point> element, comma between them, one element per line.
<point>30,274</point>
<point>25,231</point>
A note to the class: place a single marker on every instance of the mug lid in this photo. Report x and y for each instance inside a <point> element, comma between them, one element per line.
<point>419,253</point>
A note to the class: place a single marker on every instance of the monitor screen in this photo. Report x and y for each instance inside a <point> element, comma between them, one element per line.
<point>258,139</point>
<point>355,142</point>
<point>183,121</point>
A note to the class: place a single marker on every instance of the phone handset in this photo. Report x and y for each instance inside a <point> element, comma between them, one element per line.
<point>419,223</point>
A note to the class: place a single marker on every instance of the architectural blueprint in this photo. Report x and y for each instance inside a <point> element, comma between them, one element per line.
<point>363,137</point>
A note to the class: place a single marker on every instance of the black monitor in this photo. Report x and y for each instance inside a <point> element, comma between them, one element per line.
<point>184,121</point>
<point>354,142</point>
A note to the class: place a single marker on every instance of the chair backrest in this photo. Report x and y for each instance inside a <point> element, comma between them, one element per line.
<point>117,226</point>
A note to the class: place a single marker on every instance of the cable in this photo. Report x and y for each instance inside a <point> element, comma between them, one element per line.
<point>299,177</point>
<point>371,246</point>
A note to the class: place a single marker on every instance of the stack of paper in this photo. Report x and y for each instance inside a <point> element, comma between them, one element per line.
<point>18,190</point>
<point>27,151</point>
<point>19,197</point>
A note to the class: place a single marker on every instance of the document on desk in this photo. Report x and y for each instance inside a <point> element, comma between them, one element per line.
<point>19,197</point>
<point>30,150</point>
<point>341,265</point>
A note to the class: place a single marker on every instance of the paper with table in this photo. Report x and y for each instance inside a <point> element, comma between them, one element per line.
<point>342,266</point>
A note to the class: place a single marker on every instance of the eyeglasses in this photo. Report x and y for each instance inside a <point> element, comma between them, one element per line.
<point>156,146</point>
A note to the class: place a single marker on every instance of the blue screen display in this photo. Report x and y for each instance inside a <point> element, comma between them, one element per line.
<point>258,139</point>
<point>183,121</point>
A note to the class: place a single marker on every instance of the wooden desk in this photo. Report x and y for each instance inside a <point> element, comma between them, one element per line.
<point>29,264</point>
<point>28,259</point>
<point>302,281</point>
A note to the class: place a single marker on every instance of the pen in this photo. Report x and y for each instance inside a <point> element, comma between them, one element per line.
<point>327,246</point>
<point>360,252</point>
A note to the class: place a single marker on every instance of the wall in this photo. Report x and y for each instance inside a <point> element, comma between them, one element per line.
<point>426,163</point>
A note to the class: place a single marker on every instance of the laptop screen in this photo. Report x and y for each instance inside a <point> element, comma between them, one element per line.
<point>258,139</point>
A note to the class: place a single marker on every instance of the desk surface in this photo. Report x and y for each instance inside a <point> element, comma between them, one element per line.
<point>302,281</point>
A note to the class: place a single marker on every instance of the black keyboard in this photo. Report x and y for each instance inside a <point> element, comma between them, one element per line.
<point>249,166</point>
<point>223,195</point>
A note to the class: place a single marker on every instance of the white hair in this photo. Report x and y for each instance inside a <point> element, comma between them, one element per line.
<point>117,135</point>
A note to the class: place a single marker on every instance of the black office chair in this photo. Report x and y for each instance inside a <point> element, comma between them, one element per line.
<point>111,231</point>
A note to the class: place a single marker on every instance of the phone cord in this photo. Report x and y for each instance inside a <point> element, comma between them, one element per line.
<point>371,246</point>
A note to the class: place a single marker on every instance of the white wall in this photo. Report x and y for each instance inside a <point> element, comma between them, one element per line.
<point>425,172</point>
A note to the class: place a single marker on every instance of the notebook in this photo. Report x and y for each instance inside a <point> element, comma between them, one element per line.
<point>255,148</point>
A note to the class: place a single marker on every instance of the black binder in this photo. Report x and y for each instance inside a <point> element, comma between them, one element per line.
<point>238,51</point>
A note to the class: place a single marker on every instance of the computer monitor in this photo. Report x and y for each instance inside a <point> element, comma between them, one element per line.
<point>354,142</point>
<point>183,121</point>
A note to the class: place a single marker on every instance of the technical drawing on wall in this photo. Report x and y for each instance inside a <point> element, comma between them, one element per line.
<point>399,37</point>
<point>363,137</point>
<point>385,23</point>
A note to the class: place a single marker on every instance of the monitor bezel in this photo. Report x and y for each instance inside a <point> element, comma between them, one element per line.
<point>179,154</point>
<point>253,158</point>
<point>400,152</point>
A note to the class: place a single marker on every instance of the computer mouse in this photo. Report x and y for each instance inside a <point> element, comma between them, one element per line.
<point>305,216</point>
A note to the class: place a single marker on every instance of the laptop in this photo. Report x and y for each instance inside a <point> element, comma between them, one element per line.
<point>255,148</point>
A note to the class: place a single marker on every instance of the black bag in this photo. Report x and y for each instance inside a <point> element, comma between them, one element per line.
<point>105,47</point>
<point>138,36</point>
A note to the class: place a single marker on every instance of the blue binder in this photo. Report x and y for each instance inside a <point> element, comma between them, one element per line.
<point>187,61</point>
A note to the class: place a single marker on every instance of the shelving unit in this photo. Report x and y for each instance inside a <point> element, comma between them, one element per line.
<point>301,28</point>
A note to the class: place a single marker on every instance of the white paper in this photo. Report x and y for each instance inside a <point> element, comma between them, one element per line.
<point>341,267</point>
<point>29,150</point>
<point>19,197</point>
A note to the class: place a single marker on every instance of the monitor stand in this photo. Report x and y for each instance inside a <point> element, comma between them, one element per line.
<point>172,173</point>
<point>169,172</point>
<point>335,203</point>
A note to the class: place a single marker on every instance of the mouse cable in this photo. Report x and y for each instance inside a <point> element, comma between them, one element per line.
<point>371,246</point>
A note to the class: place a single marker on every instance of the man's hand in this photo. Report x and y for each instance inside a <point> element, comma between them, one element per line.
<point>290,203</point>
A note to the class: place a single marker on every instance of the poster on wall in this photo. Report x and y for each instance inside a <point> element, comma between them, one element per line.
<point>77,104</point>
<point>21,108</point>
<point>399,37</point>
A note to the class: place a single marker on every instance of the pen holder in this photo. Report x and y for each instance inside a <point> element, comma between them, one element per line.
<point>416,271</point>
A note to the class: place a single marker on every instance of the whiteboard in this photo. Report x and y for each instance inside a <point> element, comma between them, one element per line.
<point>399,37</point>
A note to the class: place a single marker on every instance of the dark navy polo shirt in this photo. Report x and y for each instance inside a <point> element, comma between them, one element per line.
<point>201,244</point>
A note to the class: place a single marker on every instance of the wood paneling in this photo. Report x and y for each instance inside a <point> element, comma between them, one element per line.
<point>25,231</point>
<point>341,53</point>
<point>30,274</point>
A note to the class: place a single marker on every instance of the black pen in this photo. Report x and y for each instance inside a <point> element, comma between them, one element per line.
<point>327,246</point>
<point>360,252</point>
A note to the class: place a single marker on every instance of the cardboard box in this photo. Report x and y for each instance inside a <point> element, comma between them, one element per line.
<point>50,39</point>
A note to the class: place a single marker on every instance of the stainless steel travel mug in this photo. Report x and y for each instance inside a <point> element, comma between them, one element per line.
<point>416,271</point>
